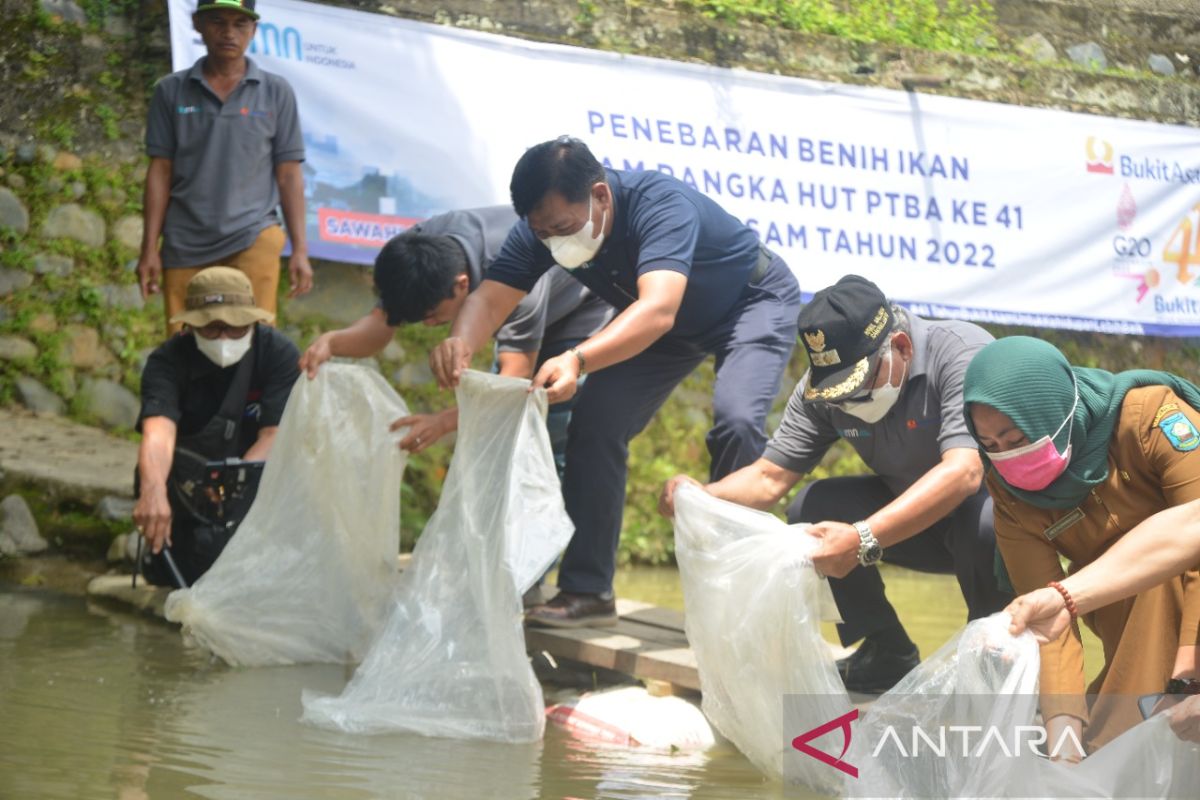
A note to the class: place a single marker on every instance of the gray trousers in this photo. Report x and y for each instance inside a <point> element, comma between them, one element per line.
<point>752,345</point>
<point>962,543</point>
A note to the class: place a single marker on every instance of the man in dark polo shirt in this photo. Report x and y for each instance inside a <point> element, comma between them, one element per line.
<point>891,384</point>
<point>225,149</point>
<point>688,281</point>
<point>215,391</point>
<point>425,274</point>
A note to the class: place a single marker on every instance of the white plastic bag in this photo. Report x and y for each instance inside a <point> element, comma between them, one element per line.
<point>631,717</point>
<point>753,609</point>
<point>451,659</point>
<point>308,575</point>
<point>975,702</point>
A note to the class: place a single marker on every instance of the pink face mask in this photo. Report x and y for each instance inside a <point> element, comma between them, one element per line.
<point>1035,466</point>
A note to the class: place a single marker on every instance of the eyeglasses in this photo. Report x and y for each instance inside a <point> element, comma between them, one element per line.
<point>868,387</point>
<point>215,330</point>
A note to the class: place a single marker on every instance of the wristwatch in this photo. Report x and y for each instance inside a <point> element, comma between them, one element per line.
<point>869,549</point>
<point>1183,686</point>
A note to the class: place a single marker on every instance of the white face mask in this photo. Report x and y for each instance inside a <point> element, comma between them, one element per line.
<point>222,351</point>
<point>579,247</point>
<point>881,400</point>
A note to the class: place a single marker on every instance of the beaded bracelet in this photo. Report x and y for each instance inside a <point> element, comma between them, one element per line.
<point>1072,609</point>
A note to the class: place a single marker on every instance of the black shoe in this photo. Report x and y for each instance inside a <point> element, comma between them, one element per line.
<point>873,670</point>
<point>569,610</point>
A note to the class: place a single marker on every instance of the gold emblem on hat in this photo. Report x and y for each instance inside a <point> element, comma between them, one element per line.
<point>815,340</point>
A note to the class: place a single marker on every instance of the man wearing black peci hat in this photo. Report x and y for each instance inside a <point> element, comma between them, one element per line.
<point>225,148</point>
<point>889,383</point>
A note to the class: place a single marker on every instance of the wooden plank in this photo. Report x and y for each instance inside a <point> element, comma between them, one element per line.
<point>650,614</point>
<point>616,649</point>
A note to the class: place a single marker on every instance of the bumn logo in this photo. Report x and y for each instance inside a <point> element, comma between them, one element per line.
<point>801,742</point>
<point>271,41</point>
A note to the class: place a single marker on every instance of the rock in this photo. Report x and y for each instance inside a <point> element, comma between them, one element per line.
<point>110,402</point>
<point>18,529</point>
<point>66,161</point>
<point>43,323</point>
<point>67,383</point>
<point>73,221</point>
<point>13,213</point>
<point>26,153</point>
<point>37,398</point>
<point>46,154</point>
<point>51,264</point>
<point>1037,48</point>
<point>1161,64</point>
<point>83,348</point>
<point>116,549</point>
<point>16,181</point>
<point>342,293</point>
<point>78,189</point>
<point>15,348</point>
<point>13,280</point>
<point>67,10</point>
<point>115,508</point>
<point>111,195</point>
<point>1088,55</point>
<point>123,548</point>
<point>393,352</point>
<point>127,295</point>
<point>117,26</point>
<point>416,374</point>
<point>128,231</point>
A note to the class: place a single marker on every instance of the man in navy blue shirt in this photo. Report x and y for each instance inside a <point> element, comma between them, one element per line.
<point>688,281</point>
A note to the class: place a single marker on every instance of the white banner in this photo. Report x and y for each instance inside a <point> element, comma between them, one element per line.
<point>957,208</point>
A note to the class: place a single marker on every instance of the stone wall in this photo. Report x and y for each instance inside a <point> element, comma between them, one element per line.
<point>73,328</point>
<point>74,331</point>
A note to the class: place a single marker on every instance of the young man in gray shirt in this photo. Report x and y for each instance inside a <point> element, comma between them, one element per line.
<point>425,274</point>
<point>225,148</point>
<point>890,384</point>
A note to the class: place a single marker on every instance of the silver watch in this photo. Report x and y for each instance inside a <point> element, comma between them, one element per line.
<point>869,549</point>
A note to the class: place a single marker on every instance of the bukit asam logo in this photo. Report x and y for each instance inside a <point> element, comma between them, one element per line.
<point>1103,159</point>
<point>1099,156</point>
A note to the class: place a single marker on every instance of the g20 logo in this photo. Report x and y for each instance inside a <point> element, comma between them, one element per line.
<point>1131,246</point>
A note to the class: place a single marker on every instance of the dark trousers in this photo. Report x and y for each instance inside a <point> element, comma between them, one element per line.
<point>558,415</point>
<point>752,346</point>
<point>963,543</point>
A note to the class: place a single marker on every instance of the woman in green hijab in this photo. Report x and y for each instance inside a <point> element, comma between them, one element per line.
<point>1076,458</point>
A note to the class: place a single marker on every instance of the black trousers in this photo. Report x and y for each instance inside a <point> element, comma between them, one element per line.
<point>962,543</point>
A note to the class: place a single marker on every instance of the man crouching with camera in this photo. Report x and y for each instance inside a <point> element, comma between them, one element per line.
<point>212,399</point>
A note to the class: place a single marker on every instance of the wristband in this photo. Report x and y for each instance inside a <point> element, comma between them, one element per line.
<point>579,357</point>
<point>1072,609</point>
<point>1183,686</point>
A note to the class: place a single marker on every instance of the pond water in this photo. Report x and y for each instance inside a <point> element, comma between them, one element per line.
<point>100,703</point>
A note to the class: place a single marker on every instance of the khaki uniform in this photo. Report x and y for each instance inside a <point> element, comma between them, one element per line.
<point>1153,464</point>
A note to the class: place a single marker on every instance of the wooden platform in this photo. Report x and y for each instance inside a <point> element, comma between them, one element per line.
<point>647,643</point>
